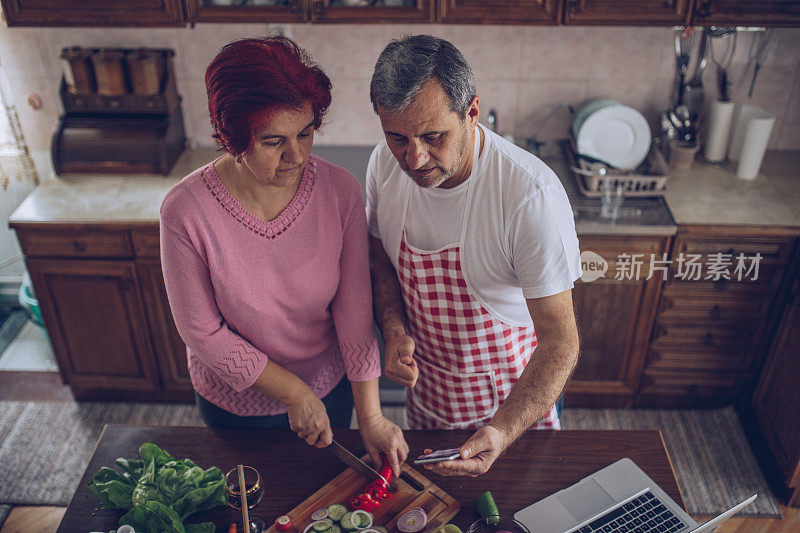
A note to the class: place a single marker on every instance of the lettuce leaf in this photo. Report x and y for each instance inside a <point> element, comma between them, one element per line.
<point>160,491</point>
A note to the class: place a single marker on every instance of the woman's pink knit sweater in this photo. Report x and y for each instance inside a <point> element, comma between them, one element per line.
<point>294,290</point>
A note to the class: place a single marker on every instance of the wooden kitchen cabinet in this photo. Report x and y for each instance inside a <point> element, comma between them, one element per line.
<point>104,305</point>
<point>94,13</point>
<point>709,335</point>
<point>747,13</point>
<point>627,12</point>
<point>418,11</point>
<point>499,12</point>
<point>290,11</point>
<point>775,405</point>
<point>614,320</point>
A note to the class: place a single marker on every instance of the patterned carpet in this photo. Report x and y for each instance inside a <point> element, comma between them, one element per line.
<point>46,445</point>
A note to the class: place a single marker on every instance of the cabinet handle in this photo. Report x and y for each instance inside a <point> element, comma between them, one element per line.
<point>573,7</point>
<point>716,311</point>
<point>708,340</point>
<point>721,284</point>
<point>704,10</point>
<point>78,246</point>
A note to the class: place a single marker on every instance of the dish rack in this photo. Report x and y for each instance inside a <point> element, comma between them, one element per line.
<point>648,179</point>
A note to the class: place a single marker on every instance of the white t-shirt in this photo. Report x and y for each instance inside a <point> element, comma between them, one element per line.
<point>519,237</point>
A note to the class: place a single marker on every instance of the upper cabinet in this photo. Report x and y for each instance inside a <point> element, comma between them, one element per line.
<point>535,12</point>
<point>246,10</point>
<point>499,12</point>
<point>747,12</point>
<point>96,13</point>
<point>372,10</point>
<point>627,12</point>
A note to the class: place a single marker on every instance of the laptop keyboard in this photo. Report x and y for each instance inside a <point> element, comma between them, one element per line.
<point>644,514</point>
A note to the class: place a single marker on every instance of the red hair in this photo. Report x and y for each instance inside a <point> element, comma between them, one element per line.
<point>252,78</point>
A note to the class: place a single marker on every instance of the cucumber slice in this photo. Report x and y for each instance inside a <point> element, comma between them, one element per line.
<point>381,529</point>
<point>323,527</point>
<point>347,522</point>
<point>336,511</point>
<point>337,529</point>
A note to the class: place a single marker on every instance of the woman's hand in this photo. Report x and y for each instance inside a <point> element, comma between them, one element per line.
<point>308,418</point>
<point>380,435</point>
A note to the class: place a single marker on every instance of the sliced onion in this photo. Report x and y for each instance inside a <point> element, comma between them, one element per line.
<point>370,530</point>
<point>361,511</point>
<point>320,514</point>
<point>312,524</point>
<point>412,520</point>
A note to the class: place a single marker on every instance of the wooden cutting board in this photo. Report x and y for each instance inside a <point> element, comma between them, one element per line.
<point>414,490</point>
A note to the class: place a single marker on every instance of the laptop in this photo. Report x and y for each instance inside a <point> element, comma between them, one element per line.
<point>618,498</point>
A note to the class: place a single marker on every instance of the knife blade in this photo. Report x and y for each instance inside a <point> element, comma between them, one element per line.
<point>345,456</point>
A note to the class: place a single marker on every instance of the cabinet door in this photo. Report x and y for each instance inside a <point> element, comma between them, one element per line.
<point>499,11</point>
<point>747,12</point>
<point>169,349</point>
<point>776,402</point>
<point>94,13</point>
<point>622,12</point>
<point>614,320</point>
<point>247,11</point>
<point>376,11</point>
<point>96,323</point>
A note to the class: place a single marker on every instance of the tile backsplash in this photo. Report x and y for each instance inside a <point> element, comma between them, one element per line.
<point>521,72</point>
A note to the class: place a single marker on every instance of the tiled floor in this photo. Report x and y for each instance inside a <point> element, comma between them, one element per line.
<point>30,351</point>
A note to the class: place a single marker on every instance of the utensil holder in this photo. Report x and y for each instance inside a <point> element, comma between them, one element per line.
<point>681,154</point>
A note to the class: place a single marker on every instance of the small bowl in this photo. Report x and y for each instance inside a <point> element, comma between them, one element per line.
<point>497,524</point>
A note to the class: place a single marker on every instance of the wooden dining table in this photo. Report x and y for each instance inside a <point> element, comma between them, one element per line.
<point>537,465</point>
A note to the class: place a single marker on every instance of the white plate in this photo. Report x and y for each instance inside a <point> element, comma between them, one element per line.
<point>618,135</point>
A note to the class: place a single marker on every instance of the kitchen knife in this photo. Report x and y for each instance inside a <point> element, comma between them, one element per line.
<point>344,455</point>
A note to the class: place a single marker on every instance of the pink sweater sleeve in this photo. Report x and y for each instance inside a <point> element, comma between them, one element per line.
<point>200,324</point>
<point>352,305</point>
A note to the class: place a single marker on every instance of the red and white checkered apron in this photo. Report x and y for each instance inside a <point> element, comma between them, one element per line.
<point>468,359</point>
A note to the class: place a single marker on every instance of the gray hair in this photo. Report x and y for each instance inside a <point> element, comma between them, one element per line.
<point>406,64</point>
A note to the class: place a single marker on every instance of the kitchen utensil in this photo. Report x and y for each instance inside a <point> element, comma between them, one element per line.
<point>497,524</point>
<point>253,491</point>
<point>693,90</point>
<point>617,135</point>
<point>243,497</point>
<point>344,455</point>
<point>611,198</point>
<point>438,504</point>
<point>723,65</point>
<point>761,46</point>
<point>685,39</point>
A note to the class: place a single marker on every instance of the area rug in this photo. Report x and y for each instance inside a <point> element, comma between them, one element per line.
<point>46,446</point>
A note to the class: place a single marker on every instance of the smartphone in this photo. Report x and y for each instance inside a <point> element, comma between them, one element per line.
<point>438,456</point>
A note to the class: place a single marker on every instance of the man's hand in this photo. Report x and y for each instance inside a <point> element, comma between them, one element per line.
<point>400,364</point>
<point>477,454</point>
<point>308,418</point>
<point>380,435</point>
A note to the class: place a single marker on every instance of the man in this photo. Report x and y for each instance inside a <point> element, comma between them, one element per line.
<point>465,256</point>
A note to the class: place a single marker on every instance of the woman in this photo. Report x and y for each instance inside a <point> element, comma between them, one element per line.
<point>264,255</point>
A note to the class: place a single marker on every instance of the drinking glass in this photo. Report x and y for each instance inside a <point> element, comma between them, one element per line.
<point>497,524</point>
<point>254,490</point>
<point>611,198</point>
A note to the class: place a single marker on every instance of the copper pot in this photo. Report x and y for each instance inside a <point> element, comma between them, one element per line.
<point>78,71</point>
<point>146,69</point>
<point>109,71</point>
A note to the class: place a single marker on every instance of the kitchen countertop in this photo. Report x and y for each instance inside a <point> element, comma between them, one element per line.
<point>706,194</point>
<point>702,195</point>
